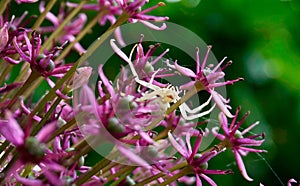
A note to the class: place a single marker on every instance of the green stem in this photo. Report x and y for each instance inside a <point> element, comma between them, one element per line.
<point>123,172</point>
<point>7,168</point>
<point>45,117</point>
<point>59,29</point>
<point>155,177</point>
<point>7,69</point>
<point>43,15</point>
<point>84,177</point>
<point>3,5</point>
<point>81,35</point>
<point>96,168</point>
<point>33,76</point>
<point>6,154</point>
<point>181,173</point>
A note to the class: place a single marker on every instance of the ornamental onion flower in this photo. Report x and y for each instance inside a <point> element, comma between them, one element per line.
<point>235,140</point>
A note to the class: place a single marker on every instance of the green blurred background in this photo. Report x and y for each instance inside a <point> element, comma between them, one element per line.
<point>263,41</point>
<point>262,38</point>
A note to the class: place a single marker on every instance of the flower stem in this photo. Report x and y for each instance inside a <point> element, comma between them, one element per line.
<point>155,177</point>
<point>7,168</point>
<point>7,69</point>
<point>81,35</point>
<point>3,5</point>
<point>45,117</point>
<point>59,29</point>
<point>84,177</point>
<point>6,153</point>
<point>181,173</point>
<point>33,76</point>
<point>43,15</point>
<point>123,172</point>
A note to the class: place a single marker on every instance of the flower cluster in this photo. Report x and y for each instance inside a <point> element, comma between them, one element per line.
<point>155,134</point>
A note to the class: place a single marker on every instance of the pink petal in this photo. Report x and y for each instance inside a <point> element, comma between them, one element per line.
<point>177,146</point>
<point>215,133</point>
<point>198,181</point>
<point>208,179</point>
<point>152,26</point>
<point>133,157</point>
<point>118,51</point>
<point>218,100</point>
<point>27,181</point>
<point>184,71</point>
<point>11,130</point>
<point>291,181</point>
<point>241,165</point>
<point>46,131</point>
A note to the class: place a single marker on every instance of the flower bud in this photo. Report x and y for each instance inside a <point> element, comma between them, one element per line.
<point>45,62</point>
<point>148,67</point>
<point>152,151</point>
<point>203,166</point>
<point>35,147</point>
<point>127,103</point>
<point>114,126</point>
<point>238,134</point>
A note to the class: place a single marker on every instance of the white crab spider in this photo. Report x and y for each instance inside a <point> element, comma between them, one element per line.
<point>162,96</point>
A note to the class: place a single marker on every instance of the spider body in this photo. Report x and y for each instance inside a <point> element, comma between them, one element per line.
<point>162,96</point>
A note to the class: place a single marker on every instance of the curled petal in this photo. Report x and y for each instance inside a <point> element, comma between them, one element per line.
<point>208,179</point>
<point>152,26</point>
<point>219,101</point>
<point>241,165</point>
<point>291,181</point>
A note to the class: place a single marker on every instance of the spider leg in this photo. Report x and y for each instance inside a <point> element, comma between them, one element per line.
<point>197,109</point>
<point>153,76</point>
<point>192,117</point>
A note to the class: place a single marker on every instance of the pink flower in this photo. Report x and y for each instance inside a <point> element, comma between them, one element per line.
<point>32,149</point>
<point>234,139</point>
<point>209,77</point>
<point>41,62</point>
<point>198,162</point>
<point>113,9</point>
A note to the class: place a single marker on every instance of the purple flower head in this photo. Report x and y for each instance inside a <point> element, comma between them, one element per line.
<point>197,162</point>
<point>208,76</point>
<point>15,27</point>
<point>41,62</point>
<point>115,8</point>
<point>32,149</point>
<point>234,139</point>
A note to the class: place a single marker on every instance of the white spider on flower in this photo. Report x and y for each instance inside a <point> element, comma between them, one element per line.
<point>162,96</point>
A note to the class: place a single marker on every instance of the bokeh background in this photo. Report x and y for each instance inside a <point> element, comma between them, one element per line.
<point>262,38</point>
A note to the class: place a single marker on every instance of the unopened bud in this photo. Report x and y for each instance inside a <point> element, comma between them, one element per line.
<point>114,126</point>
